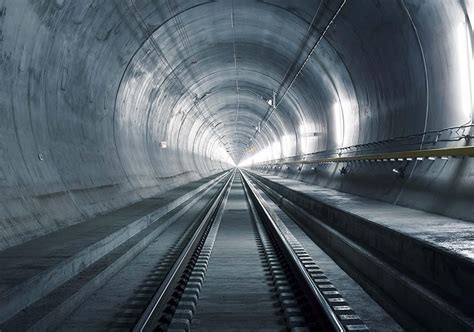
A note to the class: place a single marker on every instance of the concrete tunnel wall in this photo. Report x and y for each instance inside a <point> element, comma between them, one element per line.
<point>80,129</point>
<point>91,88</point>
<point>410,68</point>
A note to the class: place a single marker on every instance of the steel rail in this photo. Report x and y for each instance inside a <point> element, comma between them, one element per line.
<point>314,292</point>
<point>150,317</point>
<point>465,151</point>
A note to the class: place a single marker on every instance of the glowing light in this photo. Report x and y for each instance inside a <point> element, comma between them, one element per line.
<point>221,154</point>
<point>307,137</point>
<point>276,150</point>
<point>272,151</point>
<point>338,120</point>
<point>465,70</point>
<point>287,145</point>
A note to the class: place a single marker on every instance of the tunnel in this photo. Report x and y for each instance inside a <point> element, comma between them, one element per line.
<point>159,157</point>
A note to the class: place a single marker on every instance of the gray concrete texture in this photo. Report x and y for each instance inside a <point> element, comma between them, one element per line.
<point>236,284</point>
<point>91,89</point>
<point>35,268</point>
<point>369,311</point>
<point>424,261</point>
<point>433,247</point>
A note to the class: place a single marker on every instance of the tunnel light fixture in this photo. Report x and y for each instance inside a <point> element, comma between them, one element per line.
<point>400,159</point>
<point>288,146</point>
<point>272,101</point>
<point>399,171</point>
<point>307,134</point>
<point>465,70</point>
<point>445,158</point>
<point>420,158</point>
<point>431,158</point>
<point>338,120</point>
<point>163,145</point>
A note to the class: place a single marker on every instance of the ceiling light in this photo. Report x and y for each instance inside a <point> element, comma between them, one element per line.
<point>399,171</point>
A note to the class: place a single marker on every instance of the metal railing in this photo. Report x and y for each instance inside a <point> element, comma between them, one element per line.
<point>430,154</point>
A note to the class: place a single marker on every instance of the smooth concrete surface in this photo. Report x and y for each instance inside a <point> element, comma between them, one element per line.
<point>34,268</point>
<point>371,313</point>
<point>113,305</point>
<point>403,264</point>
<point>451,236</point>
<point>235,295</point>
<point>50,311</point>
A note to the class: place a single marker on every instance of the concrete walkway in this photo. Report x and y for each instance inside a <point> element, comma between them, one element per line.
<point>428,259</point>
<point>34,268</point>
<point>452,235</point>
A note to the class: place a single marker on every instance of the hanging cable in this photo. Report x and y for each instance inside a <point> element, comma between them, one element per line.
<point>313,49</point>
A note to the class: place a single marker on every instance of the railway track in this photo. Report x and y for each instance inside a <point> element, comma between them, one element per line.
<point>242,269</point>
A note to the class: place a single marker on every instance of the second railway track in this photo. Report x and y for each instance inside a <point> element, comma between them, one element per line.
<point>242,269</point>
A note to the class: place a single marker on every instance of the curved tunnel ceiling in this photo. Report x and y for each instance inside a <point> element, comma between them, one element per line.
<point>223,59</point>
<point>107,102</point>
<point>232,56</point>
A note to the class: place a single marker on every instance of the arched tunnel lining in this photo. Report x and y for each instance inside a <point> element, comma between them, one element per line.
<point>88,99</point>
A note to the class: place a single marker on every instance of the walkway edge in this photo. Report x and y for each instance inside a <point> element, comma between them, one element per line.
<point>35,288</point>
